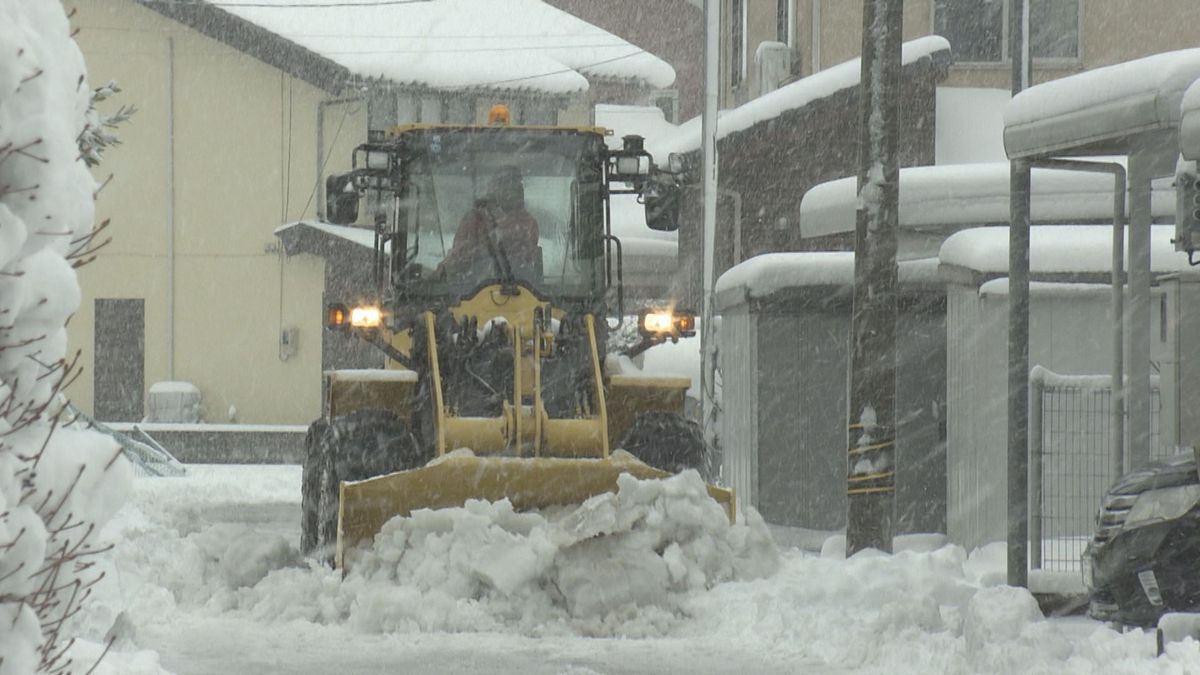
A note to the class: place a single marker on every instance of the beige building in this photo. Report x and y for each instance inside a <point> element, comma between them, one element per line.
<point>235,123</point>
<point>1067,36</point>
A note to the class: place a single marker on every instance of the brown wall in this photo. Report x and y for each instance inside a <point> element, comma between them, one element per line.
<point>772,164</point>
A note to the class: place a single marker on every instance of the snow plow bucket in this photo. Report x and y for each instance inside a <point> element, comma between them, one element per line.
<point>529,483</point>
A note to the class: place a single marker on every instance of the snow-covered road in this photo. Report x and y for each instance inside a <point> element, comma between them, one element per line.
<point>206,571</point>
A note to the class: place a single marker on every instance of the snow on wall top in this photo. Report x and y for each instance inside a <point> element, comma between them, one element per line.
<point>967,194</point>
<point>456,44</point>
<point>1103,104</point>
<point>769,273</point>
<point>1063,249</point>
<point>1189,124</point>
<point>795,95</point>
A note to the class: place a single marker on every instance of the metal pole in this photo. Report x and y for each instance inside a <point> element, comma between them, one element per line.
<point>1018,323</point>
<point>871,437</point>
<point>1037,387</point>
<point>1138,391</point>
<point>712,54</point>
<point>170,208</point>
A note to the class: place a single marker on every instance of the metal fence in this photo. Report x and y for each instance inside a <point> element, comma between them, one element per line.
<point>1072,462</point>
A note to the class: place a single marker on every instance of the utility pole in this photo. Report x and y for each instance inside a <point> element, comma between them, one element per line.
<point>1018,320</point>
<point>708,125</point>
<point>871,466</point>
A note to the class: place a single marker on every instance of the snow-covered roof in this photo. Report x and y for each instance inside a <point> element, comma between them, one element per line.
<point>1060,249</point>
<point>1189,124</point>
<point>458,44</point>
<point>769,273</point>
<point>1100,108</point>
<point>790,97</point>
<point>355,235</point>
<point>966,194</point>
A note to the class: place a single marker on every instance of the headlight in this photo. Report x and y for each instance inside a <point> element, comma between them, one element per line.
<point>1159,505</point>
<point>664,323</point>
<point>366,316</point>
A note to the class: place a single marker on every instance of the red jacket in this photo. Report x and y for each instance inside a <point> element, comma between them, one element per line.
<point>516,234</point>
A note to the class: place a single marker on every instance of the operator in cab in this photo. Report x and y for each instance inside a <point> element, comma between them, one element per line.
<point>496,233</point>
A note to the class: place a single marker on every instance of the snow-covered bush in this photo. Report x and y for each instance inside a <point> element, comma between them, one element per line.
<point>58,482</point>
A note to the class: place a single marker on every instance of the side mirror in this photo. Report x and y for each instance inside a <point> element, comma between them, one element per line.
<point>341,199</point>
<point>662,200</point>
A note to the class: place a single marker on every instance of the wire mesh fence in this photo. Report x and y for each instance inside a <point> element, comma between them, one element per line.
<point>1072,419</point>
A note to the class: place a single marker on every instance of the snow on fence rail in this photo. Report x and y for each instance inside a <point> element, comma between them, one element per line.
<point>1071,461</point>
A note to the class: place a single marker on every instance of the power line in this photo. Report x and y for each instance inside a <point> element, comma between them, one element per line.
<point>560,72</point>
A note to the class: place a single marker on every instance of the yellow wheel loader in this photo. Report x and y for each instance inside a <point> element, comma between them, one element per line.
<point>494,261</point>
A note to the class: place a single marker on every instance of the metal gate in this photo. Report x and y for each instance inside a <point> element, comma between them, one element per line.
<point>1071,461</point>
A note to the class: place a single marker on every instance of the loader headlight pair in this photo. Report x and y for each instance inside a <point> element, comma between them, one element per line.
<point>341,317</point>
<point>1161,505</point>
<point>666,323</point>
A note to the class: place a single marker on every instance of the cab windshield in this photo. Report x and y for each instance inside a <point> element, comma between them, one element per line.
<point>501,204</point>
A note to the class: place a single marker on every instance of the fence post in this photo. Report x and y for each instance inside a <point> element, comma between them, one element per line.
<point>1037,385</point>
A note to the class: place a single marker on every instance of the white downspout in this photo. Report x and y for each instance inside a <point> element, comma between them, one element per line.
<point>170,208</point>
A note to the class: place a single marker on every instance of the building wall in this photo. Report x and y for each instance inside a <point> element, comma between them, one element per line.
<point>672,30</point>
<point>1111,31</point>
<point>244,160</point>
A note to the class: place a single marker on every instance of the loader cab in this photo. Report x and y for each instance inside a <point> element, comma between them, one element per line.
<point>455,208</point>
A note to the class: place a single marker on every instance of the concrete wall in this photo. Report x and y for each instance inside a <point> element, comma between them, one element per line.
<point>244,160</point>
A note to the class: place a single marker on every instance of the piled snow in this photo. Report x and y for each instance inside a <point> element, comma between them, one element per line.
<point>56,482</point>
<point>970,125</point>
<point>187,582</point>
<point>975,194</point>
<point>790,97</point>
<point>1076,249</point>
<point>456,44</point>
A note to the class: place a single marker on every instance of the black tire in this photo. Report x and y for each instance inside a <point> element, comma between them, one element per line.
<point>309,493</point>
<point>667,441</point>
<point>360,445</point>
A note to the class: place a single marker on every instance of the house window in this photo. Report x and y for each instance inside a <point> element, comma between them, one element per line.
<point>978,31</point>
<point>737,53</point>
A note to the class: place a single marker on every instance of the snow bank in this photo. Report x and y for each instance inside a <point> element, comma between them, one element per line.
<point>619,564</point>
<point>456,44</point>
<point>930,607</point>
